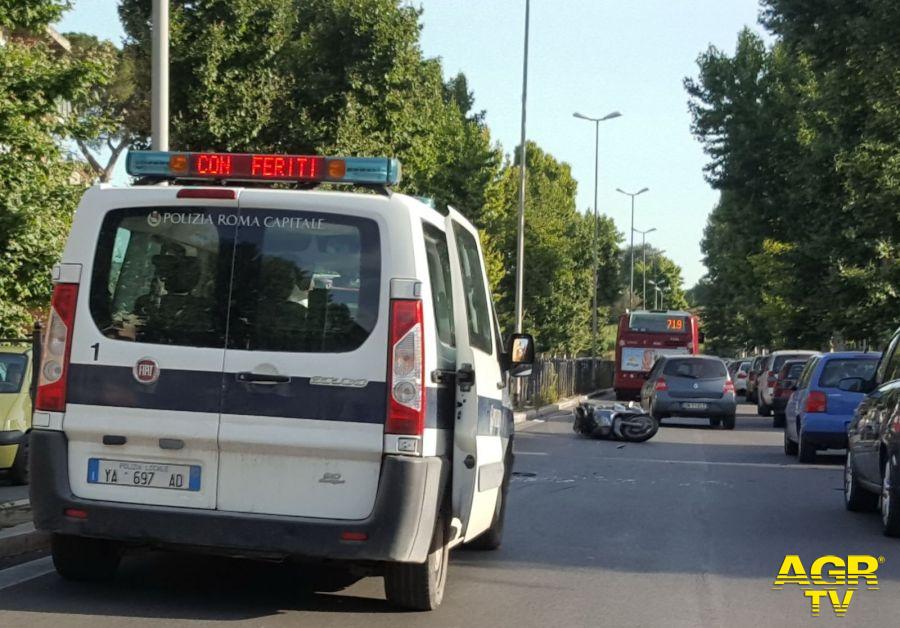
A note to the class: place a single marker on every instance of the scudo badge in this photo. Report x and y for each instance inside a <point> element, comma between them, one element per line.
<point>338,381</point>
<point>146,371</point>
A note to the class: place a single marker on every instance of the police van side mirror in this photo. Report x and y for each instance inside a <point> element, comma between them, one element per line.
<point>520,356</point>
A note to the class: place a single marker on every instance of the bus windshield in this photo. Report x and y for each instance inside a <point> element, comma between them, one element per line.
<point>659,322</point>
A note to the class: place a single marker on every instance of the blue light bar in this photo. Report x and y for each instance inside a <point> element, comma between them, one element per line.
<point>260,167</point>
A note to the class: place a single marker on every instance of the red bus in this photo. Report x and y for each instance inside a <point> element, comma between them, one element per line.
<point>644,335</point>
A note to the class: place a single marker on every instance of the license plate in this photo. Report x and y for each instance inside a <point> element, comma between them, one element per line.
<point>178,477</point>
<point>694,406</point>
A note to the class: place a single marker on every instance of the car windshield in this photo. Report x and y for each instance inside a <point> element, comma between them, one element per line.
<point>695,368</point>
<point>836,370</point>
<point>656,322</point>
<point>12,371</point>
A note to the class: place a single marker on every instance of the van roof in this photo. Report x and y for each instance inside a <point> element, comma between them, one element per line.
<point>366,199</point>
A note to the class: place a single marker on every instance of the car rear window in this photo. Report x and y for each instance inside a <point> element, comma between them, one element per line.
<point>836,370</point>
<point>794,370</point>
<point>12,371</point>
<point>272,280</point>
<point>779,360</point>
<point>695,368</point>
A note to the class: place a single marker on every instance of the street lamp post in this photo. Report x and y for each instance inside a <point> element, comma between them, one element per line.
<point>631,285</point>
<point>520,243</point>
<point>644,262</point>
<point>596,121</point>
<point>159,82</point>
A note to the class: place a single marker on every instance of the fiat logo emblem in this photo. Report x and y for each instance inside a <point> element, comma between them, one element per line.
<point>146,371</point>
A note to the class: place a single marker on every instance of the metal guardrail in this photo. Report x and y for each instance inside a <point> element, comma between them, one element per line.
<point>554,378</point>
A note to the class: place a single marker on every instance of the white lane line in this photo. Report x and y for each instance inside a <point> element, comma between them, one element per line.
<point>26,571</point>
<point>764,465</point>
<point>531,453</point>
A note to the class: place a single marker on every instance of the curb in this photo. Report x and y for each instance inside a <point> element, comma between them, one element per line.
<point>21,539</point>
<point>566,404</point>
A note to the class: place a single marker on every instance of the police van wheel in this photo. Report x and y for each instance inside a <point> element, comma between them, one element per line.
<point>420,586</point>
<point>19,470</point>
<point>85,559</point>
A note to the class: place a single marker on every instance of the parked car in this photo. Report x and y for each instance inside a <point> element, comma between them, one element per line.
<point>753,377</point>
<point>785,385</point>
<point>15,408</point>
<point>739,370</point>
<point>696,385</point>
<point>765,382</point>
<point>820,409</point>
<point>872,467</point>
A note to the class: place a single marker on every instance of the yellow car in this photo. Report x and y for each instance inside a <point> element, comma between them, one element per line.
<point>15,408</point>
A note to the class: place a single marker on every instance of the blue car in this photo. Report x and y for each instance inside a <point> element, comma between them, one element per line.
<point>823,401</point>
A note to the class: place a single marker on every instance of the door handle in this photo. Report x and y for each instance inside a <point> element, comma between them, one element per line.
<point>262,378</point>
<point>465,377</point>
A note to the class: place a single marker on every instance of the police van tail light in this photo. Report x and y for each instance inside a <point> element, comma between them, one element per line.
<point>406,365</point>
<point>51,389</point>
<point>816,402</point>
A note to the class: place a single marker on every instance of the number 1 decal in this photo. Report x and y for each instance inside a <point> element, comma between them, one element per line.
<point>96,348</point>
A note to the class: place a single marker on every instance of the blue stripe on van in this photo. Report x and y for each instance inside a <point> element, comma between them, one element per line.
<point>199,391</point>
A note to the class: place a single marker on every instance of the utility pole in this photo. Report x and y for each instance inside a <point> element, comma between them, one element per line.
<point>159,82</point>
<point>520,243</point>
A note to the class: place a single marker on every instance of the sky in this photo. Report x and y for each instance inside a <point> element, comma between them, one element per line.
<point>590,56</point>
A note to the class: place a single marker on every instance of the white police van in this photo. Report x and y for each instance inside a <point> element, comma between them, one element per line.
<point>275,373</point>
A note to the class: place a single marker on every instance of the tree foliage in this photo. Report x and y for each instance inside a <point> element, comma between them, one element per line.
<point>38,184</point>
<point>804,145</point>
<point>108,117</point>
<point>558,240</point>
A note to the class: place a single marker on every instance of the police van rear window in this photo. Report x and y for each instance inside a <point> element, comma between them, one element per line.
<point>267,280</point>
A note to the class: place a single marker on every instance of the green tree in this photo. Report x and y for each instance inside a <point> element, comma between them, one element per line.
<point>558,259</point>
<point>110,116</point>
<point>324,77</point>
<point>37,193</point>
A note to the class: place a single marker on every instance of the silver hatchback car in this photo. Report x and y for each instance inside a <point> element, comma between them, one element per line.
<point>690,385</point>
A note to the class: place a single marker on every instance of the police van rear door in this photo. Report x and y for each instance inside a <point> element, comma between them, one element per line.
<point>145,376</point>
<point>304,393</point>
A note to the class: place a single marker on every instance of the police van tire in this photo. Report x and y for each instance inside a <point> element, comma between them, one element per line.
<point>19,470</point>
<point>420,586</point>
<point>85,559</point>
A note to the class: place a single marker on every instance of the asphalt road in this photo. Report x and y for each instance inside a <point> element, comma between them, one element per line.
<point>688,529</point>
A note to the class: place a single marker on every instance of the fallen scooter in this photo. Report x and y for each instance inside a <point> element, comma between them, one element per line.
<point>614,421</point>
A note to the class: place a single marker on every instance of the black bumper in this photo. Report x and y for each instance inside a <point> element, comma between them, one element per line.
<point>399,528</point>
<point>12,438</point>
<point>827,440</point>
<point>779,404</point>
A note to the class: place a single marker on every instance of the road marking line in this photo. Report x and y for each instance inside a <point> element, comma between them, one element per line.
<point>26,571</point>
<point>767,465</point>
<point>531,453</point>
